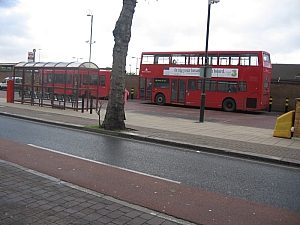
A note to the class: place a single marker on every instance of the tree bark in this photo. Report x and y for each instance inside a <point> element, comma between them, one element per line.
<point>114,117</point>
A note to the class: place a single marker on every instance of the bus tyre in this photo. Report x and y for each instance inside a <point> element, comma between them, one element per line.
<point>229,105</point>
<point>160,99</point>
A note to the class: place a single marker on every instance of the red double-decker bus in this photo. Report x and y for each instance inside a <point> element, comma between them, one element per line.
<point>240,80</point>
<point>61,81</point>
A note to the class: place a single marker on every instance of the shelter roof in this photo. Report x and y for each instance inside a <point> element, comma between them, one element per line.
<point>60,65</point>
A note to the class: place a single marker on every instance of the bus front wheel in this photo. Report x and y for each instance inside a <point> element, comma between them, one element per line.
<point>160,99</point>
<point>229,105</point>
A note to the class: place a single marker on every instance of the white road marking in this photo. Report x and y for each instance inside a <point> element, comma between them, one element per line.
<point>105,164</point>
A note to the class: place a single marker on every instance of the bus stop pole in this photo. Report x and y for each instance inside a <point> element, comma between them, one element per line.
<point>203,95</point>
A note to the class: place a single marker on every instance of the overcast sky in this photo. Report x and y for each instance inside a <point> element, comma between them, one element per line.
<point>60,28</point>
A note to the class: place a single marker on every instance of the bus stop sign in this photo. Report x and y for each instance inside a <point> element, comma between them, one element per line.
<point>208,71</point>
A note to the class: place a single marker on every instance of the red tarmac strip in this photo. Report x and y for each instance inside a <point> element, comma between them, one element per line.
<point>189,203</point>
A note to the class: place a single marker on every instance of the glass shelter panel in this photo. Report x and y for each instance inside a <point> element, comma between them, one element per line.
<point>18,84</point>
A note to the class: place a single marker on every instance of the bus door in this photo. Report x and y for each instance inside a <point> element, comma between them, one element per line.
<point>178,91</point>
<point>148,88</point>
<point>145,91</point>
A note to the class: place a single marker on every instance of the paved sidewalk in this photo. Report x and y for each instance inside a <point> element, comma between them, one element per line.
<point>30,197</point>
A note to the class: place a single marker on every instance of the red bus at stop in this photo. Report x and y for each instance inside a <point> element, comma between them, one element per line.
<point>61,81</point>
<point>240,80</point>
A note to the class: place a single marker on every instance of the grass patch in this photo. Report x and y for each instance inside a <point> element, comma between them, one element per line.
<point>95,127</point>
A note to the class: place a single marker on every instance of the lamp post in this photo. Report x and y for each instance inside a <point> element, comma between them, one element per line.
<point>40,54</point>
<point>136,64</point>
<point>89,13</point>
<point>203,95</point>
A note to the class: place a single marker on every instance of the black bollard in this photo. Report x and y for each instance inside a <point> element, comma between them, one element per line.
<point>82,104</point>
<point>91,105</point>
<point>270,103</point>
<point>287,104</point>
<point>132,93</point>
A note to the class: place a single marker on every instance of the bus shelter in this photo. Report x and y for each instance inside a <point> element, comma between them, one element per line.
<point>57,84</point>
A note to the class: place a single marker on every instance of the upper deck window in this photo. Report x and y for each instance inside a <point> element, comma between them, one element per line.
<point>212,60</point>
<point>267,58</point>
<point>229,60</point>
<point>162,59</point>
<point>194,59</point>
<point>181,59</point>
<point>148,59</point>
<point>249,60</point>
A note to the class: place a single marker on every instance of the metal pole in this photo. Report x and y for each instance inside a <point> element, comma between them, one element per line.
<point>136,65</point>
<point>91,38</point>
<point>40,54</point>
<point>203,95</point>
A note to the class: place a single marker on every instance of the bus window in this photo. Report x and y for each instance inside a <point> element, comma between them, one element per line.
<point>222,86</point>
<point>50,78</point>
<point>69,78</point>
<point>210,85</point>
<point>85,79</point>
<point>227,86</point>
<point>161,82</point>
<point>193,59</point>
<point>234,60</point>
<point>181,59</point>
<point>94,80</point>
<point>266,84</point>
<point>148,59</point>
<point>102,80</point>
<point>249,60</point>
<point>243,86</point>
<point>162,59</point>
<point>58,79</point>
<point>212,60</point>
<point>192,85</point>
<point>254,60</point>
<point>267,58</point>
<point>229,60</point>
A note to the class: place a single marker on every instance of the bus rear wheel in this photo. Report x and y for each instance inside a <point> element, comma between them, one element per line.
<point>160,99</point>
<point>229,105</point>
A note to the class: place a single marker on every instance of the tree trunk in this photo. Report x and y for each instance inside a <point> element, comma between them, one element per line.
<point>114,117</point>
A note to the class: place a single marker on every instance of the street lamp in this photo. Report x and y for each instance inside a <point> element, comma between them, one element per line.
<point>89,13</point>
<point>203,95</point>
<point>136,65</point>
<point>40,54</point>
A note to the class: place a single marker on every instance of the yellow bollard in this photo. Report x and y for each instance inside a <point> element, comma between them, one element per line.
<point>284,124</point>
